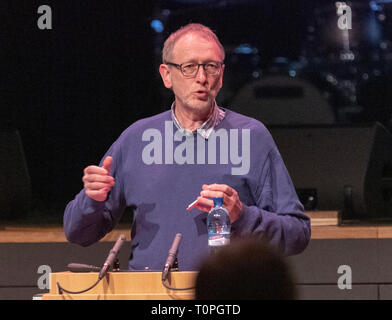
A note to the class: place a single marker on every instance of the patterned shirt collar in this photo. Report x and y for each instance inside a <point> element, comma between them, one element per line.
<point>205,130</point>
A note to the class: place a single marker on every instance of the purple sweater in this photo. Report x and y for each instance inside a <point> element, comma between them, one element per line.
<point>162,176</point>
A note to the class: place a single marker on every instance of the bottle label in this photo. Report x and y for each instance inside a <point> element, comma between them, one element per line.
<point>219,239</point>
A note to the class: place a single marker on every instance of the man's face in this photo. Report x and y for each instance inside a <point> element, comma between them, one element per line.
<point>195,94</point>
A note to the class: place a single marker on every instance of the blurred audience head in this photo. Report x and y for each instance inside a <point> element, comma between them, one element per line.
<point>247,269</point>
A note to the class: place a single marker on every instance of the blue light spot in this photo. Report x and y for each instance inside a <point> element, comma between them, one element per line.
<point>292,73</point>
<point>374,6</point>
<point>157,26</point>
<point>245,49</point>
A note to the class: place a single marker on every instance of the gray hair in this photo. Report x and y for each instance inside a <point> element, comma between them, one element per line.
<point>206,32</point>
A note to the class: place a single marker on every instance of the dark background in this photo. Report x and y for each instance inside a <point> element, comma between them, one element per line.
<point>72,90</point>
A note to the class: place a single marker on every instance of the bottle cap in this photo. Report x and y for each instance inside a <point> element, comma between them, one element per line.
<point>218,201</point>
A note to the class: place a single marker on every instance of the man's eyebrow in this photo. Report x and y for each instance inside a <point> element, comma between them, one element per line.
<point>191,61</point>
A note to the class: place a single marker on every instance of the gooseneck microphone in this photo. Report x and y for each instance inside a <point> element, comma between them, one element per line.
<point>78,267</point>
<point>170,261</point>
<point>111,257</point>
<point>171,257</point>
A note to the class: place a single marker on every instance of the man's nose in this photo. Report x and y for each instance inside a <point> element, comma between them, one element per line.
<point>201,75</point>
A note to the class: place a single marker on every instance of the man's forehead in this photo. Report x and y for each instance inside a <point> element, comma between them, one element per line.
<point>193,40</point>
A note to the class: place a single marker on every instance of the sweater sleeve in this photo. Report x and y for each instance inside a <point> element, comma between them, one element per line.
<point>86,221</point>
<point>278,215</point>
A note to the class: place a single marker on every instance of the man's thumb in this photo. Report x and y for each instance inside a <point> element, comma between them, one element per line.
<point>107,163</point>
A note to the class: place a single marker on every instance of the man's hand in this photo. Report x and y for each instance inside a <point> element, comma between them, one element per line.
<point>97,180</point>
<point>231,200</point>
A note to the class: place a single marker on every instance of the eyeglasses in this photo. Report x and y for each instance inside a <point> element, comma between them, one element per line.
<point>190,69</point>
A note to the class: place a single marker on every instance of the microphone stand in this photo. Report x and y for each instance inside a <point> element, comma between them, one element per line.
<point>115,265</point>
<point>172,264</point>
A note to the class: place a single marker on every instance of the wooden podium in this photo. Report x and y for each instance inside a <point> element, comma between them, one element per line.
<point>122,286</point>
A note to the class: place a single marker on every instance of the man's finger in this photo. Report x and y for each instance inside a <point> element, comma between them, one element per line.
<point>98,185</point>
<point>205,202</point>
<point>212,194</point>
<point>98,178</point>
<point>219,187</point>
<point>95,170</point>
<point>107,163</point>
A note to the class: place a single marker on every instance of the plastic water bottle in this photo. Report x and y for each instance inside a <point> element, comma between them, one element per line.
<point>218,224</point>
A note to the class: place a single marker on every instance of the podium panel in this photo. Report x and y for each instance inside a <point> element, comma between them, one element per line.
<point>122,286</point>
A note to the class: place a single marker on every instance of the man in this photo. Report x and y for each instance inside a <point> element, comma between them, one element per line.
<point>163,163</point>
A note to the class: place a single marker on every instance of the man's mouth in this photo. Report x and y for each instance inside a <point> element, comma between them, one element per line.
<point>201,94</point>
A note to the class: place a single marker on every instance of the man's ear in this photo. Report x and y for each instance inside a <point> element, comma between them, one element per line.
<point>165,75</point>
<point>221,76</point>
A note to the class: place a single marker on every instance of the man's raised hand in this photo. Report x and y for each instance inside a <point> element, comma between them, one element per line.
<point>98,181</point>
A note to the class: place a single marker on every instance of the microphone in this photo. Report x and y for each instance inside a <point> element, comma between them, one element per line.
<point>78,267</point>
<point>111,257</point>
<point>172,256</point>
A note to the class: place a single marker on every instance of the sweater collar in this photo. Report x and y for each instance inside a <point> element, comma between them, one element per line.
<point>205,130</point>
